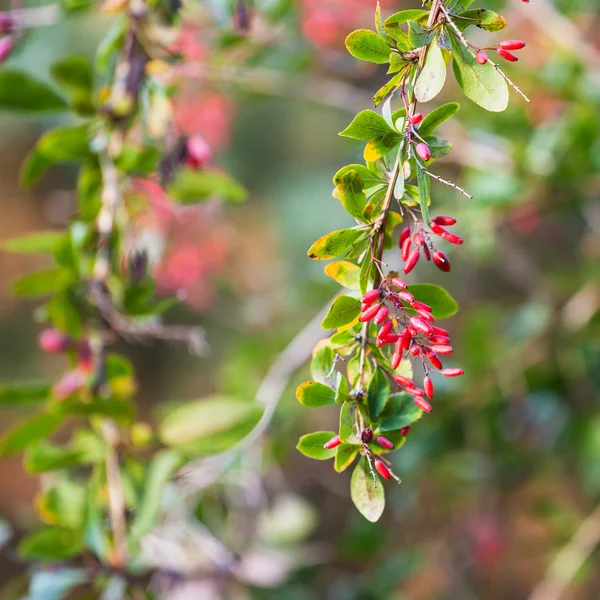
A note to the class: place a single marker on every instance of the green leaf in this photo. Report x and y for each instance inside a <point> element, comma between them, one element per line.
<point>345,455</point>
<point>345,273</point>
<point>138,161</point>
<point>433,75</point>
<point>321,365</point>
<point>436,117</point>
<point>480,83</point>
<point>206,418</point>
<point>312,445</point>
<point>119,409</point>
<point>378,392</point>
<point>65,313</point>
<point>438,147</point>
<point>73,72</point>
<point>400,412</point>
<point>442,303</point>
<point>347,420</point>
<point>39,283</point>
<point>314,394</point>
<point>65,144</point>
<point>419,35</point>
<point>17,394</point>
<point>343,310</point>
<point>335,244</point>
<point>484,19</point>
<point>190,187</point>
<point>89,188</point>
<point>110,44</point>
<point>33,167</point>
<point>51,544</point>
<point>369,178</point>
<point>366,269</point>
<point>163,466</point>
<point>381,145</point>
<point>367,45</point>
<point>413,14</point>
<point>379,26</point>
<point>45,456</point>
<point>350,193</point>
<point>20,92</point>
<point>368,499</point>
<point>28,432</point>
<point>384,90</point>
<point>424,193</point>
<point>40,242</point>
<point>342,393</point>
<point>367,125</point>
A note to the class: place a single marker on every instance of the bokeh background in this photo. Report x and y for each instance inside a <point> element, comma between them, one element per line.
<point>501,482</point>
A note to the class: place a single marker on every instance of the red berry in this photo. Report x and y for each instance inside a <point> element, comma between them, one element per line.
<point>85,360</point>
<point>433,358</point>
<point>415,350</point>
<point>421,325</point>
<point>369,313</point>
<point>442,349</point>
<point>404,381</point>
<point>439,339</point>
<point>54,341</point>
<point>406,339</point>
<point>425,315</point>
<point>439,331</point>
<point>381,315</point>
<point>411,261</point>
<point>384,443</point>
<point>399,283</point>
<point>446,221</point>
<point>404,236</point>
<point>441,261</point>
<point>405,251</point>
<point>512,44</point>
<point>406,296</point>
<point>6,47</point>
<point>452,238</point>
<point>481,58</point>
<point>452,372</point>
<point>334,442</point>
<point>428,386</point>
<point>416,391</point>
<point>199,153</point>
<point>382,469</point>
<point>427,252</point>
<point>391,338</point>
<point>419,241</point>
<point>423,151</point>
<point>405,430</point>
<point>6,22</point>
<point>379,343</point>
<point>421,305</point>
<point>422,403</point>
<point>385,329</point>
<point>509,56</point>
<point>396,360</point>
<point>416,118</point>
<point>370,297</point>
<point>364,306</point>
<point>366,435</point>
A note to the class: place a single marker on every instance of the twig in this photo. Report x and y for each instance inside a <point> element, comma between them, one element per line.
<point>509,80</point>
<point>449,183</point>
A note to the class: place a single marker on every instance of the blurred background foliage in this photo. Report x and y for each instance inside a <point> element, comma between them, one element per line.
<point>504,472</point>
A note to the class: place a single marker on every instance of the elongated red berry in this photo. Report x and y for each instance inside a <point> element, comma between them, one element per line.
<point>381,315</point>
<point>439,339</point>
<point>382,469</point>
<point>54,341</point>
<point>391,338</point>
<point>405,251</point>
<point>370,297</point>
<point>6,47</point>
<point>379,343</point>
<point>428,386</point>
<point>396,360</point>
<point>433,359</point>
<point>405,430</point>
<point>404,381</point>
<point>419,241</point>
<point>385,329</point>
<point>416,118</point>
<point>406,339</point>
<point>512,44</point>
<point>421,305</point>
<point>441,220</point>
<point>404,236</point>
<point>198,152</point>
<point>427,252</point>
<point>506,55</point>
<point>369,313</point>
<point>70,383</point>
<point>334,442</point>
<point>399,283</point>
<point>452,238</point>
<point>411,261</point>
<point>426,315</point>
<point>439,330</point>
<point>422,403</point>
<point>385,443</point>
<point>421,325</point>
<point>481,58</point>
<point>423,151</point>
<point>452,372</point>
<point>364,306</point>
<point>406,296</point>
<point>442,349</point>
<point>416,391</point>
<point>441,261</point>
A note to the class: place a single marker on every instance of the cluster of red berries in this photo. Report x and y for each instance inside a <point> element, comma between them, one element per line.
<point>414,241</point>
<point>503,51</point>
<point>408,324</point>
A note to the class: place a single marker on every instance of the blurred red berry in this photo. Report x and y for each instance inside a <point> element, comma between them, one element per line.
<point>54,341</point>
<point>441,261</point>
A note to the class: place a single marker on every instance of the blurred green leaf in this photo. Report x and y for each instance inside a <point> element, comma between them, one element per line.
<point>343,311</point>
<point>28,432</point>
<point>63,503</point>
<point>443,305</point>
<point>45,456</point>
<point>66,144</point>
<point>51,544</point>
<point>40,242</point>
<point>73,72</point>
<point>368,499</point>
<point>312,394</point>
<point>190,187</point>
<point>33,167</point>
<point>21,92</point>
<point>55,584</point>
<point>27,392</point>
<point>367,45</point>
<point>39,283</point>
<point>311,445</point>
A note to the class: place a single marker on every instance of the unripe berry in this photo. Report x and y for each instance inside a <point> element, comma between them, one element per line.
<point>405,251</point>
<point>506,55</point>
<point>422,403</point>
<point>481,58</point>
<point>452,372</point>
<point>385,329</point>
<point>405,430</point>
<point>6,47</point>
<point>382,469</point>
<point>416,118</point>
<point>442,349</point>
<point>446,221</point>
<point>399,283</point>
<point>385,443</point>
<point>441,261</point>
<point>69,384</point>
<point>411,261</point>
<point>334,442</point>
<point>428,386</point>
<point>421,325</point>
<point>198,152</point>
<point>381,315</point>
<point>54,341</point>
<point>512,44</point>
<point>404,381</point>
<point>366,435</point>
<point>369,313</point>
<point>370,297</point>
<point>423,151</point>
<point>396,360</point>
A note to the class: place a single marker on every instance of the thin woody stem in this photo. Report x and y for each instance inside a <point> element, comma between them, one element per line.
<point>448,183</point>
<point>509,80</point>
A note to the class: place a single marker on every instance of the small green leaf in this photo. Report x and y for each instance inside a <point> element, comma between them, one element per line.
<point>384,90</point>
<point>64,503</point>
<point>378,393</point>
<point>367,125</point>
<point>345,455</point>
<point>436,117</point>
<point>350,193</point>
<point>438,147</point>
<point>367,45</point>
<point>312,445</point>
<point>335,244</point>
<point>381,145</point>
<point>400,412</point>
<point>442,303</point>
<point>345,273</point>
<point>482,17</point>
<point>314,394</point>
<point>379,26</point>
<point>321,365</point>
<point>33,167</point>
<point>190,187</point>
<point>433,75</point>
<point>65,144</point>
<point>28,432</point>
<point>40,242</point>
<point>51,544</point>
<point>45,456</point>
<point>17,394</point>
<point>342,393</point>
<point>343,310</point>
<point>424,193</point>
<point>368,499</point>
<point>39,283</point>
<point>369,177</point>
<point>73,72</point>
<point>413,14</point>
<point>20,92</point>
<point>419,35</point>
<point>347,420</point>
<point>480,83</point>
